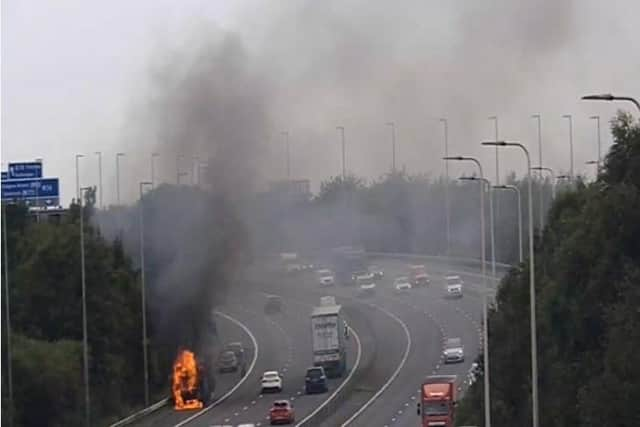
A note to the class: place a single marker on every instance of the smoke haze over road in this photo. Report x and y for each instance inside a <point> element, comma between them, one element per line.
<point>237,77</point>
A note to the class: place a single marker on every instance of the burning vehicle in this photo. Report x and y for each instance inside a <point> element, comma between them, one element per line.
<point>190,382</point>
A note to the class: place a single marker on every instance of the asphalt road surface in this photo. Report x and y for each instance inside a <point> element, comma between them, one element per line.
<point>228,331</point>
<point>400,337</point>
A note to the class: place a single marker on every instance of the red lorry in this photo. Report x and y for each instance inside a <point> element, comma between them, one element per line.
<point>438,401</point>
<point>418,275</point>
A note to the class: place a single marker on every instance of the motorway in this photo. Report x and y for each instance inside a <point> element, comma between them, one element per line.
<point>400,338</point>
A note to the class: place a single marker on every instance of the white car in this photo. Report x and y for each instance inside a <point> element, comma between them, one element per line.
<point>293,268</point>
<point>377,272</point>
<point>325,277</point>
<point>402,284</point>
<point>271,381</point>
<point>366,283</point>
<point>454,286</point>
<point>453,351</point>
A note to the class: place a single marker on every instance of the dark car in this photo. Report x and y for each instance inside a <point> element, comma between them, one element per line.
<point>238,349</point>
<point>315,381</point>
<point>228,362</point>
<point>273,305</point>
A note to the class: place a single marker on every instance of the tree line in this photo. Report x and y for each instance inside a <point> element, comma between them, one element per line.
<point>46,321</point>
<point>588,294</point>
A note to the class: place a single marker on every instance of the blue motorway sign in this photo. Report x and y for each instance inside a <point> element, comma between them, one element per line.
<point>5,175</point>
<point>31,189</point>
<point>25,170</point>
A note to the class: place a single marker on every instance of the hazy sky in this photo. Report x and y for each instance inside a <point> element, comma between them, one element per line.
<point>81,76</point>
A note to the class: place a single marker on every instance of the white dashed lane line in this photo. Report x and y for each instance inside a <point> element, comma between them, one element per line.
<point>467,381</point>
<point>394,375</point>
<point>443,335</point>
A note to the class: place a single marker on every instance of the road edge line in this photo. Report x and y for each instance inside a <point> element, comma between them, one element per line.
<point>140,414</point>
<point>239,383</point>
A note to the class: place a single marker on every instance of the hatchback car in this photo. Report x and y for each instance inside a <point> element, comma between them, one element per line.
<point>377,271</point>
<point>271,382</point>
<point>401,284</point>
<point>238,349</point>
<point>227,362</point>
<point>315,381</point>
<point>453,351</point>
<point>282,413</point>
<point>454,286</point>
<point>366,284</point>
<point>273,304</point>
<point>325,277</point>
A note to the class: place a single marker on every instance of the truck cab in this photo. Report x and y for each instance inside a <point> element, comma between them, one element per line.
<point>438,401</point>
<point>418,275</point>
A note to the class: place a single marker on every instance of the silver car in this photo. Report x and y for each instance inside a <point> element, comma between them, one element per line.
<point>454,286</point>
<point>366,284</point>
<point>453,351</point>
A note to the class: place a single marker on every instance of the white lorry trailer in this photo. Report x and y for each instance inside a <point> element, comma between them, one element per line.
<point>328,332</point>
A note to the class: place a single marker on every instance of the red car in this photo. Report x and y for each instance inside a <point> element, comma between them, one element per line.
<point>282,413</point>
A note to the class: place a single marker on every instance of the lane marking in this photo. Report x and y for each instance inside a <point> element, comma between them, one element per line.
<point>395,374</point>
<point>239,383</point>
<point>356,364</point>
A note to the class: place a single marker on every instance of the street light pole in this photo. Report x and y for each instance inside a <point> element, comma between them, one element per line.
<point>568,117</point>
<point>201,165</point>
<point>532,289</point>
<point>7,313</point>
<point>597,119</point>
<point>99,154</point>
<point>118,155</point>
<point>195,171</point>
<point>485,325</point>
<point>85,343</point>
<point>287,154</point>
<point>537,116</point>
<point>610,97</point>
<point>78,157</point>
<point>446,186</point>
<point>393,146</point>
<point>178,169</point>
<point>144,297</point>
<point>553,179</point>
<point>491,219</point>
<point>495,120</point>
<point>517,191</point>
<point>344,170</point>
<point>153,169</point>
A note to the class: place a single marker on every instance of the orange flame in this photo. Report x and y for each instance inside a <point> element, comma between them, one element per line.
<point>185,381</point>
